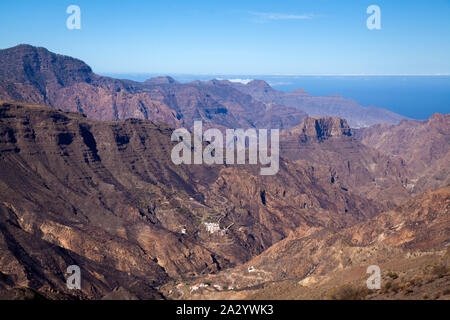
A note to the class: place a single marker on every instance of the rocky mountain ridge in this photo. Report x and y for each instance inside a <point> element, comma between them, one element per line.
<point>423,145</point>
<point>106,196</point>
<point>36,75</point>
<point>335,105</point>
<point>86,178</point>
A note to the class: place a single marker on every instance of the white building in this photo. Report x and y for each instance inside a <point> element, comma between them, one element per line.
<point>212,227</point>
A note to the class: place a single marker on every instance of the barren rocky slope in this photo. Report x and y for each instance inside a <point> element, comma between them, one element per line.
<point>354,166</point>
<point>410,241</point>
<point>423,145</point>
<point>106,196</point>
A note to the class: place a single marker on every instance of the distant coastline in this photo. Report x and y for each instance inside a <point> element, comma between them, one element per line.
<point>408,95</point>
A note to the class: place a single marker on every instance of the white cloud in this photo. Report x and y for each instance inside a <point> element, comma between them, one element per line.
<point>266,16</point>
<point>243,81</point>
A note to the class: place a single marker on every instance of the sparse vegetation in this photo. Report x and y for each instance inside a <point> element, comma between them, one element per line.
<point>348,292</point>
<point>183,210</point>
<point>437,271</point>
<point>387,286</point>
<point>395,287</point>
<point>392,275</point>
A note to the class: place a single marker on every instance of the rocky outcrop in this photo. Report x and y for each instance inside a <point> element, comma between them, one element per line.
<point>353,166</point>
<point>321,128</point>
<point>161,80</point>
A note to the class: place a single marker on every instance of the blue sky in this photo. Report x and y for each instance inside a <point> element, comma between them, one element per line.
<point>238,37</point>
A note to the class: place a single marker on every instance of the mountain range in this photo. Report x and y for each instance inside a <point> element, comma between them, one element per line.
<point>86,179</point>
<point>36,75</point>
<point>335,105</point>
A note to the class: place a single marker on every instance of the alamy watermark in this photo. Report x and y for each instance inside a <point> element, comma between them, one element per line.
<point>73,22</point>
<point>374,281</point>
<point>374,20</point>
<point>234,144</point>
<point>74,280</point>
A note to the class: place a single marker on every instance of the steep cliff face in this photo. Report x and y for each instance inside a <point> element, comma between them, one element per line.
<point>36,75</point>
<point>106,196</point>
<point>321,128</point>
<point>352,165</point>
<point>11,91</point>
<point>93,193</point>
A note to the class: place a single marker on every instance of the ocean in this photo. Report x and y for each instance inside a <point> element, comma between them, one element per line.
<point>416,97</point>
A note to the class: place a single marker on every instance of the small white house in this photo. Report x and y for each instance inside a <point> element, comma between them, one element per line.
<point>251,269</point>
<point>212,227</point>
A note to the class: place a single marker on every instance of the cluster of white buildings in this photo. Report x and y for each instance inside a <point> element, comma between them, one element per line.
<point>212,227</point>
<point>198,286</point>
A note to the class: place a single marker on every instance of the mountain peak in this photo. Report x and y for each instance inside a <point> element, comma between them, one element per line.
<point>23,46</point>
<point>322,128</point>
<point>38,66</point>
<point>259,84</point>
<point>161,80</point>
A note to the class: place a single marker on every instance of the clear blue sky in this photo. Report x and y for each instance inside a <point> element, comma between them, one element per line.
<point>238,37</point>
